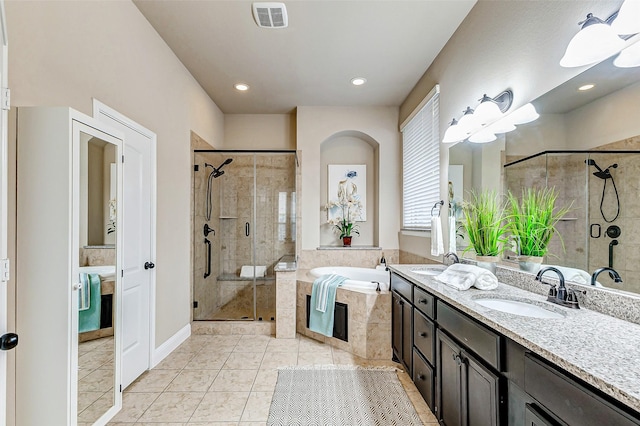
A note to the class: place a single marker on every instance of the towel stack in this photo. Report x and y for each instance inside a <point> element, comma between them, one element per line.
<point>463,277</point>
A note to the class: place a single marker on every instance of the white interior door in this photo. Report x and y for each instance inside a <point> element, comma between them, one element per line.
<point>4,164</point>
<point>138,242</point>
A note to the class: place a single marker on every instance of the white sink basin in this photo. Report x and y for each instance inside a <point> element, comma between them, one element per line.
<point>106,272</point>
<point>519,308</point>
<point>429,270</point>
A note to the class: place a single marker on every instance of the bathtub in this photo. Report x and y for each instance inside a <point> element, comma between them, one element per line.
<point>359,278</point>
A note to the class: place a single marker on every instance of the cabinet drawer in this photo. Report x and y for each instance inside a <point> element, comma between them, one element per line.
<point>424,301</point>
<point>482,341</point>
<point>423,378</point>
<point>568,399</point>
<point>423,336</point>
<point>401,286</point>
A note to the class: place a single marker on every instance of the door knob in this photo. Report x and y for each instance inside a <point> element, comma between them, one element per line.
<point>8,341</point>
<point>149,265</point>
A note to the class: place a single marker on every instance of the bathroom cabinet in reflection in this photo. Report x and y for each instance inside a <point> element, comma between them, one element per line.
<point>55,298</point>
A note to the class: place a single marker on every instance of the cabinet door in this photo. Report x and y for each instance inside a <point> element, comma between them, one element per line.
<point>396,328</point>
<point>480,392</point>
<point>407,336</point>
<point>449,379</point>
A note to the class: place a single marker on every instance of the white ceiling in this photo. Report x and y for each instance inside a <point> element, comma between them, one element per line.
<point>328,42</point>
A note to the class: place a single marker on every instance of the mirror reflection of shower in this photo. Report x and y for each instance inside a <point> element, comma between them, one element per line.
<point>216,172</point>
<point>606,175</point>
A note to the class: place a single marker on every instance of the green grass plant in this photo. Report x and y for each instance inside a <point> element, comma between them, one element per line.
<point>532,220</point>
<point>483,217</point>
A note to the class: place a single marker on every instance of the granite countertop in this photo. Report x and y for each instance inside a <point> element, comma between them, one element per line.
<point>601,350</point>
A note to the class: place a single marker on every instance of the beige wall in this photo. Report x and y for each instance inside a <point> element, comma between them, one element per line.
<point>66,53</point>
<point>317,124</point>
<point>500,45</point>
<point>259,131</point>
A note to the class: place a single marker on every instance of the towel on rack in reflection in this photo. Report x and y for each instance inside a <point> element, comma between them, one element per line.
<point>437,244</point>
<point>463,277</point>
<point>89,319</point>
<point>452,234</point>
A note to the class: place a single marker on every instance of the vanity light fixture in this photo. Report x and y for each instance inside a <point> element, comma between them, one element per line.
<point>586,87</point>
<point>454,133</point>
<point>628,19</point>
<point>595,42</point>
<point>629,57</point>
<point>488,111</point>
<point>523,115</point>
<point>358,81</point>
<point>481,125</point>
<point>242,87</point>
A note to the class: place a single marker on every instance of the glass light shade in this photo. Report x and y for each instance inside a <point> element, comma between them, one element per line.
<point>628,19</point>
<point>593,43</point>
<point>525,114</point>
<point>629,57</point>
<point>501,126</point>
<point>487,111</point>
<point>483,136</point>
<point>469,123</point>
<point>454,133</point>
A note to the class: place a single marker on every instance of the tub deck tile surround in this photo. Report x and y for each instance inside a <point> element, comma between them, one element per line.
<point>369,320</point>
<point>597,348</point>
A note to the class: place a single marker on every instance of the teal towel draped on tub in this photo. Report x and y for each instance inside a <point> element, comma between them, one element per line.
<point>323,299</point>
<point>89,319</point>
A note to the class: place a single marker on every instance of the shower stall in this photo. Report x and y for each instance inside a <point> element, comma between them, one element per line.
<point>244,221</point>
<point>602,188</point>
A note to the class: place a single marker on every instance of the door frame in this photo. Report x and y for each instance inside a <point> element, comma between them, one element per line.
<point>100,108</point>
<point>4,213</point>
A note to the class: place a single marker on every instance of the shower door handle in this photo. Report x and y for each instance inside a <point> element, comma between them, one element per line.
<point>246,228</point>
<point>208,271</point>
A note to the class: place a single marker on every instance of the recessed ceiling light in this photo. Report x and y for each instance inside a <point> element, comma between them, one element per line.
<point>241,87</point>
<point>358,81</point>
<point>586,87</point>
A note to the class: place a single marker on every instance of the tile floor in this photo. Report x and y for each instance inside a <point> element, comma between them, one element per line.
<point>229,380</point>
<point>95,378</point>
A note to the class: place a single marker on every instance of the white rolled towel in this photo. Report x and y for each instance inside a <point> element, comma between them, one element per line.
<point>463,277</point>
<point>437,243</point>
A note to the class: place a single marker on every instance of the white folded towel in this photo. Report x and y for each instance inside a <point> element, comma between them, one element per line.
<point>452,234</point>
<point>437,245</point>
<point>463,277</point>
<point>247,271</point>
<point>570,274</point>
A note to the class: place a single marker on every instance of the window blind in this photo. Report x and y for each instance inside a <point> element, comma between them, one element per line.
<point>421,165</point>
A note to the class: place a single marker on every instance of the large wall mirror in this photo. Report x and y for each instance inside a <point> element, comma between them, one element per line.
<point>586,144</point>
<point>98,226</point>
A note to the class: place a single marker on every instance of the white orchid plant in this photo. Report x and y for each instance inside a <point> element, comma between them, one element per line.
<point>344,224</point>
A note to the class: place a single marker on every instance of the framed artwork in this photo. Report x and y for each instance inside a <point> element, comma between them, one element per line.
<point>347,188</point>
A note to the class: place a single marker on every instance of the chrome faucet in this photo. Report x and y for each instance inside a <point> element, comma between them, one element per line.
<point>561,295</point>
<point>612,273</point>
<point>455,257</point>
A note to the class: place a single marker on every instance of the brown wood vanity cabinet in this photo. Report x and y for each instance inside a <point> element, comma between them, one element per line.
<point>471,375</point>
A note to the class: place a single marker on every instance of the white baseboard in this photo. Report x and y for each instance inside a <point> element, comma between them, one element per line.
<point>170,345</point>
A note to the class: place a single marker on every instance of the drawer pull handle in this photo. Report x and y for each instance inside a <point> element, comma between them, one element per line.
<point>423,334</point>
<point>423,301</point>
<point>421,377</point>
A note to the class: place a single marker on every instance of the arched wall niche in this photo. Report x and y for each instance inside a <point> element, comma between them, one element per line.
<point>353,148</point>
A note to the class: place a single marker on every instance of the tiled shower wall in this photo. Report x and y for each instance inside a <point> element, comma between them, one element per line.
<point>232,208</point>
<point>573,180</point>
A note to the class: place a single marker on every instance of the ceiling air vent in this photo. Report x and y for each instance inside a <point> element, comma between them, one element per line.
<point>270,15</point>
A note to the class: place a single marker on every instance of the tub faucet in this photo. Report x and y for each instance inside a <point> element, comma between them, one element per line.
<point>612,273</point>
<point>561,295</point>
<point>455,257</point>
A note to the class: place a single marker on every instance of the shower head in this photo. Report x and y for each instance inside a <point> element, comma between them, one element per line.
<point>218,173</point>
<point>227,161</point>
<point>602,174</point>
